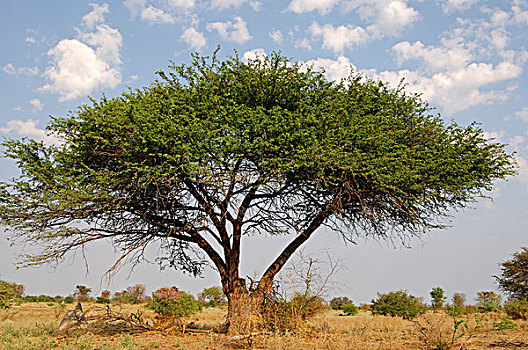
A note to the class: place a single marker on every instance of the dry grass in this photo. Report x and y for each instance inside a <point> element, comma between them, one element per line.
<point>32,325</point>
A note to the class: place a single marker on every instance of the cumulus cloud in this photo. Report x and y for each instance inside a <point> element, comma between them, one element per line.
<point>302,6</point>
<point>96,16</point>
<point>193,38</point>
<point>154,15</point>
<point>335,70</point>
<point>385,17</point>
<point>236,32</point>
<point>303,44</point>
<point>28,128</point>
<point>450,56</point>
<point>92,61</point>
<point>460,89</point>
<point>276,36</point>
<point>255,54</point>
<point>457,5</point>
<point>37,104</point>
<point>10,69</point>
<point>223,4</point>
<point>523,114</point>
<point>339,38</point>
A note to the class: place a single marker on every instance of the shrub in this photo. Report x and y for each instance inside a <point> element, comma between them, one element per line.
<point>9,292</point>
<point>137,292</point>
<point>437,298</point>
<point>397,304</point>
<point>212,296</point>
<point>82,293</point>
<point>69,299</point>
<point>488,301</point>
<point>350,309</point>
<point>517,309</point>
<point>172,305</point>
<point>337,303</point>
<point>101,300</point>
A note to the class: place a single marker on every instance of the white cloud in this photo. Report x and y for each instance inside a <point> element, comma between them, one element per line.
<point>522,164</point>
<point>460,89</point>
<point>276,36</point>
<point>236,32</point>
<point>31,40</point>
<point>28,128</point>
<point>224,4</point>
<point>37,104</point>
<point>387,17</point>
<point>337,39</point>
<point>450,56</point>
<point>10,69</point>
<point>181,5</point>
<point>302,6</point>
<point>303,44</point>
<point>96,16</point>
<point>154,15</point>
<point>523,114</point>
<point>134,6</point>
<point>80,66</point>
<point>520,16</point>
<point>335,70</point>
<point>457,5</point>
<point>255,54</point>
<point>256,5</point>
<point>193,38</point>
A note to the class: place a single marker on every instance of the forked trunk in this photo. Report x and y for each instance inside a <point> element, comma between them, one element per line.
<point>244,314</point>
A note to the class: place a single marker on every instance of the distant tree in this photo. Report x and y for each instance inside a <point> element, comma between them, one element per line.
<point>398,303</point>
<point>459,301</point>
<point>9,291</point>
<point>338,303</point>
<point>212,297</point>
<point>217,150</point>
<point>137,291</point>
<point>488,301</point>
<point>82,293</point>
<point>437,298</point>
<point>105,294</point>
<point>513,278</point>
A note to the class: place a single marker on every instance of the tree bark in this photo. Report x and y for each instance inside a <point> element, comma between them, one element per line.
<point>244,313</point>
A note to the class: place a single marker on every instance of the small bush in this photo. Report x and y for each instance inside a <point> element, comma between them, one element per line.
<point>212,297</point>
<point>350,310</point>
<point>172,305</point>
<point>397,304</point>
<point>69,299</point>
<point>337,303</point>
<point>101,300</point>
<point>488,301</point>
<point>517,309</point>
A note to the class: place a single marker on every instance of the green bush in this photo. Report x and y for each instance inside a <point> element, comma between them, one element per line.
<point>488,301</point>
<point>397,304</point>
<point>173,303</point>
<point>337,303</point>
<point>350,309</point>
<point>437,297</point>
<point>101,300</point>
<point>69,299</point>
<point>9,292</point>
<point>212,297</point>
<point>517,309</point>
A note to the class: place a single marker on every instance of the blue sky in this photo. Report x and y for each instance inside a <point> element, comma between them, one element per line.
<point>468,58</point>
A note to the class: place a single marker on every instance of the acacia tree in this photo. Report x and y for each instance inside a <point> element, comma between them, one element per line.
<point>513,278</point>
<point>216,150</point>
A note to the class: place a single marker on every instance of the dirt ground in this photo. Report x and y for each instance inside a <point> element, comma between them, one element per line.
<point>34,326</point>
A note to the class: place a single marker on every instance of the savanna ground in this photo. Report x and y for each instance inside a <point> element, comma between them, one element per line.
<point>34,326</point>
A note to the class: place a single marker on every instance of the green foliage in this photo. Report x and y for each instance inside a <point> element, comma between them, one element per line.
<point>82,293</point>
<point>505,323</point>
<point>437,297</point>
<point>356,152</point>
<point>398,303</point>
<point>101,300</point>
<point>69,299</point>
<point>9,292</point>
<point>517,309</point>
<point>174,303</point>
<point>212,297</point>
<point>513,278</point>
<point>338,303</point>
<point>350,309</point>
<point>488,301</point>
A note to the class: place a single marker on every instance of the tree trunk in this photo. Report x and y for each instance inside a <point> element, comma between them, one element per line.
<point>244,314</point>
